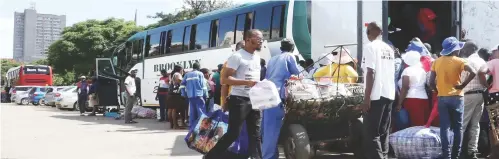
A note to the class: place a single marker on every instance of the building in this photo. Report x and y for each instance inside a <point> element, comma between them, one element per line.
<point>33,34</point>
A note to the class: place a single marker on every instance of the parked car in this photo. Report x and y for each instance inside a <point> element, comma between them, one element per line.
<point>19,90</point>
<point>37,93</point>
<point>51,94</point>
<point>68,99</point>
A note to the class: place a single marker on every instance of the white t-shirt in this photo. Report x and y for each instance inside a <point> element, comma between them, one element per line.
<point>417,82</point>
<point>247,67</point>
<point>130,85</point>
<point>380,57</point>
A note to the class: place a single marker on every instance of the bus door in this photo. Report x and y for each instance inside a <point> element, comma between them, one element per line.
<point>107,90</point>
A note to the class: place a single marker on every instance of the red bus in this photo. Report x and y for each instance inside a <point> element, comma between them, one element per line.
<point>29,75</point>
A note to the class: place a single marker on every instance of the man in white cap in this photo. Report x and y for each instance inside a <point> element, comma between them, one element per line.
<point>82,94</point>
<point>131,93</point>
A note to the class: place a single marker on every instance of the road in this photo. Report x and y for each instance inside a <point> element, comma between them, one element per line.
<point>29,132</point>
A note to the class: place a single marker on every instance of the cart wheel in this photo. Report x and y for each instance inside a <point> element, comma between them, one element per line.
<point>297,144</point>
<point>356,137</point>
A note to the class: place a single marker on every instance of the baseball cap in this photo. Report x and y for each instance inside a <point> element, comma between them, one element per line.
<point>450,45</point>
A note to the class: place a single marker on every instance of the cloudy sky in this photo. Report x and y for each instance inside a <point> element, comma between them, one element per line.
<point>80,10</point>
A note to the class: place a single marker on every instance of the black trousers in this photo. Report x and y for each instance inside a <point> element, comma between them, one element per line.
<point>216,96</point>
<point>162,106</point>
<point>240,110</point>
<point>377,123</point>
<point>82,100</point>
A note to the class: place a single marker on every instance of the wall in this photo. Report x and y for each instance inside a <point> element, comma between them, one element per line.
<point>481,20</point>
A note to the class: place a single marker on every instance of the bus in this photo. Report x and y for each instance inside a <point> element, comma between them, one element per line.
<point>316,26</point>
<point>29,75</point>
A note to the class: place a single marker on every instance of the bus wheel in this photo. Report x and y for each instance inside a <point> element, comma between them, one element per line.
<point>24,101</point>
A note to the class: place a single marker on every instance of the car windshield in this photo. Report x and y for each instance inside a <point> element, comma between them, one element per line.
<point>67,89</point>
<point>23,88</point>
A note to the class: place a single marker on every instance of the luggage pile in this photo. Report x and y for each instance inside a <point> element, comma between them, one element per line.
<point>417,142</point>
<point>141,112</point>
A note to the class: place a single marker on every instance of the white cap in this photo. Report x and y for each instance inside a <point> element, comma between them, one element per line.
<point>412,58</point>
<point>83,77</point>
<point>326,59</point>
<point>345,57</point>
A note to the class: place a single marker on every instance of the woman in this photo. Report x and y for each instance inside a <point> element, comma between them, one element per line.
<point>176,103</point>
<point>339,71</point>
<point>93,101</point>
<point>413,93</point>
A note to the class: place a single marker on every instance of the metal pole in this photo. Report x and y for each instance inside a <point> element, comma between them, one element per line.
<point>385,20</point>
<point>360,27</point>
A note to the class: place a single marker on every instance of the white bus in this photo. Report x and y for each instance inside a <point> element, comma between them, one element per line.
<point>314,24</point>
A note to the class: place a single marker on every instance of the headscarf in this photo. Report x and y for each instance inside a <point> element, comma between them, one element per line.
<point>419,47</point>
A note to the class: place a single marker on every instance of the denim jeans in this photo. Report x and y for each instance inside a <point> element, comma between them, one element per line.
<point>450,110</point>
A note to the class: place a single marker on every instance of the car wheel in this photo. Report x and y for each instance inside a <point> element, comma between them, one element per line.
<point>75,107</point>
<point>42,101</point>
<point>24,101</point>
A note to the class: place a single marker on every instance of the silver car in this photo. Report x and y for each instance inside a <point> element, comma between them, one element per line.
<point>19,93</point>
<point>51,94</point>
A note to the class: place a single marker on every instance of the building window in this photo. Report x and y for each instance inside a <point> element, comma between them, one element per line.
<point>177,39</point>
<point>262,21</point>
<point>226,31</point>
<point>277,22</point>
<point>202,35</point>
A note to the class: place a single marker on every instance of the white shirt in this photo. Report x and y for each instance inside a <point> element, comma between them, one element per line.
<point>247,67</point>
<point>303,73</point>
<point>417,82</point>
<point>130,85</point>
<point>380,57</point>
<point>478,64</point>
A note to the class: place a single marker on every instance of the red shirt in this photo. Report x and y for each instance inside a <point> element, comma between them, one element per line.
<point>163,85</point>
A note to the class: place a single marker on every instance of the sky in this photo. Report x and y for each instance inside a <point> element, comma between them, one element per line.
<point>81,10</point>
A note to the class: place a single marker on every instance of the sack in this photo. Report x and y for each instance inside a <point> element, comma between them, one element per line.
<point>417,142</point>
<point>142,112</point>
<point>264,95</point>
<point>210,129</point>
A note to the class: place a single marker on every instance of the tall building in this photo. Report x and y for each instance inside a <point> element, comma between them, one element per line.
<point>33,34</point>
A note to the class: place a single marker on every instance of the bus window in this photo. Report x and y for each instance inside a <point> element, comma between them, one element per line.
<point>168,42</point>
<point>154,45</point>
<point>192,36</point>
<point>226,31</point>
<point>262,21</point>
<point>202,35</point>
<point>214,33</point>
<point>148,46</point>
<point>187,38</point>
<point>36,70</point>
<point>277,22</point>
<point>162,43</point>
<point>176,40</point>
<point>243,24</point>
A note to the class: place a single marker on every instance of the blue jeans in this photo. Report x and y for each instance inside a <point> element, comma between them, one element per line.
<point>162,107</point>
<point>196,106</point>
<point>450,110</point>
<point>271,127</point>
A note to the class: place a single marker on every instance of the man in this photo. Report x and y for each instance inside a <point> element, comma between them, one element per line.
<point>473,97</point>
<point>211,88</point>
<point>379,73</point>
<point>242,73</point>
<point>280,69</point>
<point>218,87</point>
<point>196,91</point>
<point>131,93</point>
<point>446,79</point>
<point>82,95</point>
<point>162,94</point>
<point>224,93</point>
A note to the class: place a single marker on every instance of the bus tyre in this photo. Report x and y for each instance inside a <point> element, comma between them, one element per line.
<point>24,101</point>
<point>297,144</point>
<point>355,137</point>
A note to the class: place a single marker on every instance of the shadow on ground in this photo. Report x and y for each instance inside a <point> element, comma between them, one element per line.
<point>179,148</point>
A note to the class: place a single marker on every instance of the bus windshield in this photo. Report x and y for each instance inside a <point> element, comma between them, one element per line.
<point>44,70</point>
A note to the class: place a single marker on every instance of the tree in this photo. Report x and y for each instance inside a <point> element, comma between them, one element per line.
<point>40,62</point>
<point>6,65</point>
<point>190,10</point>
<point>84,41</point>
<point>66,79</point>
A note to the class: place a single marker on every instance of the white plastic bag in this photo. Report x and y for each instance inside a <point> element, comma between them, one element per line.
<point>264,95</point>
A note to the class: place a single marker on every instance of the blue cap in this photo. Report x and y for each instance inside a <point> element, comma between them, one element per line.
<point>418,47</point>
<point>450,45</point>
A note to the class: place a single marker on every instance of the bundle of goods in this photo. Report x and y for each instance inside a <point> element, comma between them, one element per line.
<point>210,128</point>
<point>308,100</point>
<point>417,142</point>
<point>142,112</point>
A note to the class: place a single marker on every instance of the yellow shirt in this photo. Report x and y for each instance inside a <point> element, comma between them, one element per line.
<point>222,98</point>
<point>448,74</point>
<point>347,73</point>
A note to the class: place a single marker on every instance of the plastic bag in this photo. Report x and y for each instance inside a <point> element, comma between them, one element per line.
<point>304,89</point>
<point>210,129</point>
<point>264,95</point>
<point>417,142</point>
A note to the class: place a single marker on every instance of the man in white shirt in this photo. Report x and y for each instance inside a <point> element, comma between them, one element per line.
<point>473,99</point>
<point>379,76</point>
<point>131,92</point>
<point>242,72</point>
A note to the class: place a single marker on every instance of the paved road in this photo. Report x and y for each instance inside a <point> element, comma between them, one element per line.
<point>30,132</point>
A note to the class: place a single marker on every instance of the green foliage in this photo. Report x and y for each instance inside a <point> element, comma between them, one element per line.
<point>40,62</point>
<point>81,43</point>
<point>65,79</point>
<point>6,64</point>
<point>190,10</point>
